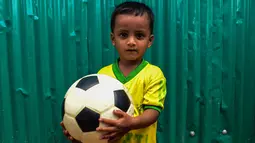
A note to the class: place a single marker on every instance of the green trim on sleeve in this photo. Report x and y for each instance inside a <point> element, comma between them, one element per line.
<point>159,109</point>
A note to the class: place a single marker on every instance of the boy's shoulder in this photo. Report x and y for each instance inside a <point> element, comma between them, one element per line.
<point>153,68</point>
<point>107,68</point>
<point>153,71</point>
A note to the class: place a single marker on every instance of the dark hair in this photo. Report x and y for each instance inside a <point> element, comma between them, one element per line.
<point>131,7</point>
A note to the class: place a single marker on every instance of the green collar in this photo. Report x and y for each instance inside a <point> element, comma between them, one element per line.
<point>119,75</point>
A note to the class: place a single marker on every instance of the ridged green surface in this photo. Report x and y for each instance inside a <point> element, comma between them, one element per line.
<point>206,49</point>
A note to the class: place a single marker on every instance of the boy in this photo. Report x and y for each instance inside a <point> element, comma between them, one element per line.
<point>132,34</point>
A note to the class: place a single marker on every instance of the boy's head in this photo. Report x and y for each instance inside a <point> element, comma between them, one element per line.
<point>132,30</point>
<point>133,8</point>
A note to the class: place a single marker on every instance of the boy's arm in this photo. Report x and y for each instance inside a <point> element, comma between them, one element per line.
<point>153,102</point>
<point>126,123</point>
<point>147,118</point>
<point>156,91</point>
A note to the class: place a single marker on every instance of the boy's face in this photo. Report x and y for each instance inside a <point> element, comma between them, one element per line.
<point>132,36</point>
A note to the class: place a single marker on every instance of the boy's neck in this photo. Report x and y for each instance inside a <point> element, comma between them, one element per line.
<point>128,66</point>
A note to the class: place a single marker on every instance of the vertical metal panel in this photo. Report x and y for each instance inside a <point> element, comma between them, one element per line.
<point>206,49</point>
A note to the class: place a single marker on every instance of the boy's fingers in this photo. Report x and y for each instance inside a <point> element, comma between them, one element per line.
<point>62,125</point>
<point>108,129</point>
<point>110,136</point>
<point>108,121</point>
<point>66,132</point>
<point>119,113</point>
<point>114,137</point>
<point>70,138</point>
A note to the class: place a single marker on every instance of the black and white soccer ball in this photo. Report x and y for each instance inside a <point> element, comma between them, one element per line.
<point>89,98</point>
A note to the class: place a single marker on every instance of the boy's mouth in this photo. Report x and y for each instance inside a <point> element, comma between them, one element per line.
<point>131,50</point>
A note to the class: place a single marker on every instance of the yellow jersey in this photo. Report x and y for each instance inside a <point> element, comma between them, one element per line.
<point>147,87</point>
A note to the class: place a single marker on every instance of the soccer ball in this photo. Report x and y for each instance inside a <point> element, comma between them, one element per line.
<point>89,98</point>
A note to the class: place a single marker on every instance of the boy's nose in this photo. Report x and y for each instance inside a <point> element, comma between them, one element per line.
<point>131,42</point>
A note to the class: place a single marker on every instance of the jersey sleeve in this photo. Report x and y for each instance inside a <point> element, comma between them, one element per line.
<point>103,70</point>
<point>107,70</point>
<point>156,90</point>
<point>100,71</point>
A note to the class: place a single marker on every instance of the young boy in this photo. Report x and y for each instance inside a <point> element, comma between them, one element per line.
<point>132,34</point>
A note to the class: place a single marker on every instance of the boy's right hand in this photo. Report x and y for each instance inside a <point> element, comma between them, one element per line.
<point>66,133</point>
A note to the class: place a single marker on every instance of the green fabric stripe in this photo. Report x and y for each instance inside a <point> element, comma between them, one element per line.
<point>153,107</point>
<point>119,75</point>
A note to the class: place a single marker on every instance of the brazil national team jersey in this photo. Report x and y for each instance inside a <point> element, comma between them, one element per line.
<point>147,86</point>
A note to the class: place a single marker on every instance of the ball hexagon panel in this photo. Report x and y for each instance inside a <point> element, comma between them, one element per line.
<point>131,110</point>
<point>87,120</point>
<point>99,98</point>
<point>108,114</point>
<point>87,82</point>
<point>121,100</point>
<point>74,102</point>
<point>107,80</point>
<point>72,126</point>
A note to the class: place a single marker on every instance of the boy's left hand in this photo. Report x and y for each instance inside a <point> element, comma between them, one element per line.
<point>117,128</point>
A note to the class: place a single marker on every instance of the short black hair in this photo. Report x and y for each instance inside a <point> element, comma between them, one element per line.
<point>132,7</point>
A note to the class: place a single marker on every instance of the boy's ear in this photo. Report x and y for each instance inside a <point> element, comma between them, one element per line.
<point>113,39</point>
<point>151,41</point>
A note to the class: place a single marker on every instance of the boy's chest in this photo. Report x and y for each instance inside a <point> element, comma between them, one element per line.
<point>137,89</point>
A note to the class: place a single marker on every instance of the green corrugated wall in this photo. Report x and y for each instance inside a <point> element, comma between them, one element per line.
<point>206,49</point>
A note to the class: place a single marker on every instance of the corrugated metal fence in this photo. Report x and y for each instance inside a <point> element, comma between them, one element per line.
<point>206,49</point>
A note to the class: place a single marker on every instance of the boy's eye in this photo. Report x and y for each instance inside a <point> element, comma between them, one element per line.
<point>139,36</point>
<point>123,35</point>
